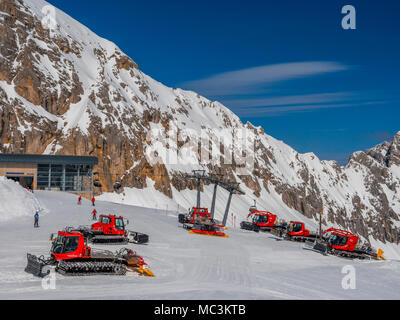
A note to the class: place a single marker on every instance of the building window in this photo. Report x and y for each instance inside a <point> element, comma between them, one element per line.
<point>43,176</point>
<point>71,177</point>
<point>68,177</point>
<point>56,177</point>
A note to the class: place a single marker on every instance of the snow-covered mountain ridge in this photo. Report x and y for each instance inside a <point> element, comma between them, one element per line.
<point>68,91</point>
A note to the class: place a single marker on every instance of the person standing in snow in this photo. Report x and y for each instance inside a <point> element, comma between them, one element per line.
<point>93,201</point>
<point>36,216</point>
<point>94,212</point>
<point>79,200</point>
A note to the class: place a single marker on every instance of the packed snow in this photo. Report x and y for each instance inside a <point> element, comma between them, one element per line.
<point>247,265</point>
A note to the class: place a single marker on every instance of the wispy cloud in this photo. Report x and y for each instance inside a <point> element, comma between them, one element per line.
<point>252,92</point>
<point>279,110</point>
<point>247,81</point>
<point>291,100</point>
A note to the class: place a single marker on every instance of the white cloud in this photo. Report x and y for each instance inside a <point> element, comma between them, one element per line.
<point>291,100</point>
<point>247,81</point>
<point>279,110</point>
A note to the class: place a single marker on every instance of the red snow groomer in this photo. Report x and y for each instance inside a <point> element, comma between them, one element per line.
<point>111,229</point>
<point>260,221</point>
<point>263,221</point>
<point>70,255</point>
<point>199,221</point>
<point>345,244</point>
<point>296,231</point>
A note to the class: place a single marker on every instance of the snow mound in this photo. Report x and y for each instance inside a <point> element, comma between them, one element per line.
<point>15,201</point>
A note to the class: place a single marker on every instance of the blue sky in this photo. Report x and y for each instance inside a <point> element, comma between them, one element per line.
<point>285,65</point>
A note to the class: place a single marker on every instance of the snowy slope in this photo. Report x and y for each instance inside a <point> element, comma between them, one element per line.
<point>185,199</point>
<point>245,266</point>
<point>69,91</point>
<point>16,202</point>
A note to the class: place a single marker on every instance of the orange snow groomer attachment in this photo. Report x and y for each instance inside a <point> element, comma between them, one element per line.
<point>379,255</point>
<point>199,221</point>
<point>135,263</point>
<point>209,230</point>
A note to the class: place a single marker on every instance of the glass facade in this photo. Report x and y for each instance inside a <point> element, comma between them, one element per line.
<point>50,172</point>
<point>64,177</point>
<point>42,176</point>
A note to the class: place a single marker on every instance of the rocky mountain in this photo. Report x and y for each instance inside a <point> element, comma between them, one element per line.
<point>64,90</point>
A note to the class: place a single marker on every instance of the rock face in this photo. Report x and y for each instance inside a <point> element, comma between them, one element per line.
<point>68,91</point>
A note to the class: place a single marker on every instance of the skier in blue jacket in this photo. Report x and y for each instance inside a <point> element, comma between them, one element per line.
<point>36,225</point>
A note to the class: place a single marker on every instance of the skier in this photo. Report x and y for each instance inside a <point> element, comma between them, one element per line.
<point>36,216</point>
<point>93,201</point>
<point>79,200</point>
<point>94,212</point>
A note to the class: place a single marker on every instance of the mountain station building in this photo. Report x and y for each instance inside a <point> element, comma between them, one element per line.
<point>50,172</point>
